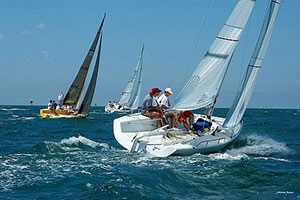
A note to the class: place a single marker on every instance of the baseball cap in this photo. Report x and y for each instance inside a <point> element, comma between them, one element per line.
<point>169,90</point>
<point>155,90</point>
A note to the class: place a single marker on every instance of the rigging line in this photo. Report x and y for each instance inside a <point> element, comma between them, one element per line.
<point>200,33</point>
<point>182,61</point>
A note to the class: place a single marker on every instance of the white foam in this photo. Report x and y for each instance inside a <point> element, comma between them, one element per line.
<point>11,109</point>
<point>271,158</point>
<point>227,156</point>
<point>261,145</point>
<point>80,139</point>
<point>28,118</point>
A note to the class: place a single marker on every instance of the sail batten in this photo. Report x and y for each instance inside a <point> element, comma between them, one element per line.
<point>75,92</point>
<point>237,110</point>
<point>205,83</point>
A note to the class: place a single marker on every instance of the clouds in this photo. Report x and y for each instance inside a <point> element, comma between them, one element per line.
<point>1,36</point>
<point>45,53</point>
<point>40,26</point>
<point>25,32</point>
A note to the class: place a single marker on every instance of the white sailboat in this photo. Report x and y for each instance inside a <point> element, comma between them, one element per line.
<point>72,106</point>
<point>130,97</point>
<point>139,133</point>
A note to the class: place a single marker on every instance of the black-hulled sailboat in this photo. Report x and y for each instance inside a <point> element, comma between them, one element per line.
<point>72,106</point>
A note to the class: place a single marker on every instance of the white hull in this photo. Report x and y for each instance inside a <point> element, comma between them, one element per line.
<point>109,110</point>
<point>139,133</point>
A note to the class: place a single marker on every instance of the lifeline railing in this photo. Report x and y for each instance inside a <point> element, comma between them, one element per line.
<point>207,141</point>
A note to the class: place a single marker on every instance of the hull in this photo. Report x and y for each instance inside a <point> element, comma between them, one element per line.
<point>139,133</point>
<point>45,113</point>
<point>110,110</point>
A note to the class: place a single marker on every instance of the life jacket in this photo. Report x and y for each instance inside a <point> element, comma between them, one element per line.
<point>201,126</point>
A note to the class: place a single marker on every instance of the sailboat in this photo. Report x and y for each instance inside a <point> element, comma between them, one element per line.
<point>72,106</point>
<point>130,97</point>
<point>138,133</point>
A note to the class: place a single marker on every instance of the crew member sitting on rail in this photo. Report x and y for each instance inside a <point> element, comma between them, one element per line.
<point>164,103</point>
<point>150,106</point>
<point>50,105</point>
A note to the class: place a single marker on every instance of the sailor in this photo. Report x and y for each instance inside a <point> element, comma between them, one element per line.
<point>58,107</point>
<point>150,106</point>
<point>60,98</point>
<point>183,119</point>
<point>50,105</point>
<point>54,104</point>
<point>164,103</point>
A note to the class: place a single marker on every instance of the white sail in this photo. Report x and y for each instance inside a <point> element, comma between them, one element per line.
<point>136,98</point>
<point>202,88</point>
<point>243,95</point>
<point>132,88</point>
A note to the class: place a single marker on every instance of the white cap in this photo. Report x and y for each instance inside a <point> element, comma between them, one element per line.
<point>169,90</point>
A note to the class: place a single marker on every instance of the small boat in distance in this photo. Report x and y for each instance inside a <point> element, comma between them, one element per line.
<point>138,133</point>
<point>72,106</point>
<point>130,97</point>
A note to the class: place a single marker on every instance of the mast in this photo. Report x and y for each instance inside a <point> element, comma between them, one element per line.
<point>202,88</point>
<point>237,110</point>
<point>76,89</point>
<point>87,101</point>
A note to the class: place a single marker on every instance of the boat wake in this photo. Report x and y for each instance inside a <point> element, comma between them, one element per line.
<point>254,147</point>
<point>260,145</point>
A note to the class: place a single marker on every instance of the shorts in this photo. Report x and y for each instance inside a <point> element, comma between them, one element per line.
<point>184,115</point>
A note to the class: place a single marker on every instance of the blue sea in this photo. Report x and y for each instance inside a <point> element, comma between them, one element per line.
<point>80,159</point>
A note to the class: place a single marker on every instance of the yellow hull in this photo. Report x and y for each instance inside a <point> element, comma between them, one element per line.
<point>45,113</point>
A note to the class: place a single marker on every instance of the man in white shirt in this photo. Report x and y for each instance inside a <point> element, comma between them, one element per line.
<point>164,103</point>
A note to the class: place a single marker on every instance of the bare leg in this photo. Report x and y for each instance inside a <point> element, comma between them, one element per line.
<point>156,115</point>
<point>191,120</point>
<point>173,119</point>
<point>185,124</point>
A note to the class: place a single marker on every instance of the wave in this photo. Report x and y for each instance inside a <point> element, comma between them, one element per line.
<point>28,118</point>
<point>66,145</point>
<point>82,140</point>
<point>253,147</point>
<point>13,109</point>
<point>261,145</point>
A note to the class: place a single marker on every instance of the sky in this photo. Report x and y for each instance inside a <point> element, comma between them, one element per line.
<point>43,43</point>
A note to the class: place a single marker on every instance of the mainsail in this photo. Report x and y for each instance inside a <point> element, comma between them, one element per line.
<point>75,92</point>
<point>243,95</point>
<point>131,94</point>
<point>87,101</point>
<point>203,87</point>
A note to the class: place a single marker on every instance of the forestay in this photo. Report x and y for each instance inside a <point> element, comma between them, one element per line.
<point>75,92</point>
<point>131,95</point>
<point>243,95</point>
<point>202,88</point>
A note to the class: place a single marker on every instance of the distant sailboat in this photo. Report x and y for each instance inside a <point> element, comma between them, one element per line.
<point>130,97</point>
<point>139,133</point>
<point>71,104</point>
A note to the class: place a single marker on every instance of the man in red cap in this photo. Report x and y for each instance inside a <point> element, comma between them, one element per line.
<point>150,106</point>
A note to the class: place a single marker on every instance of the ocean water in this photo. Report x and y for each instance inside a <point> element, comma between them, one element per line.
<point>80,159</point>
